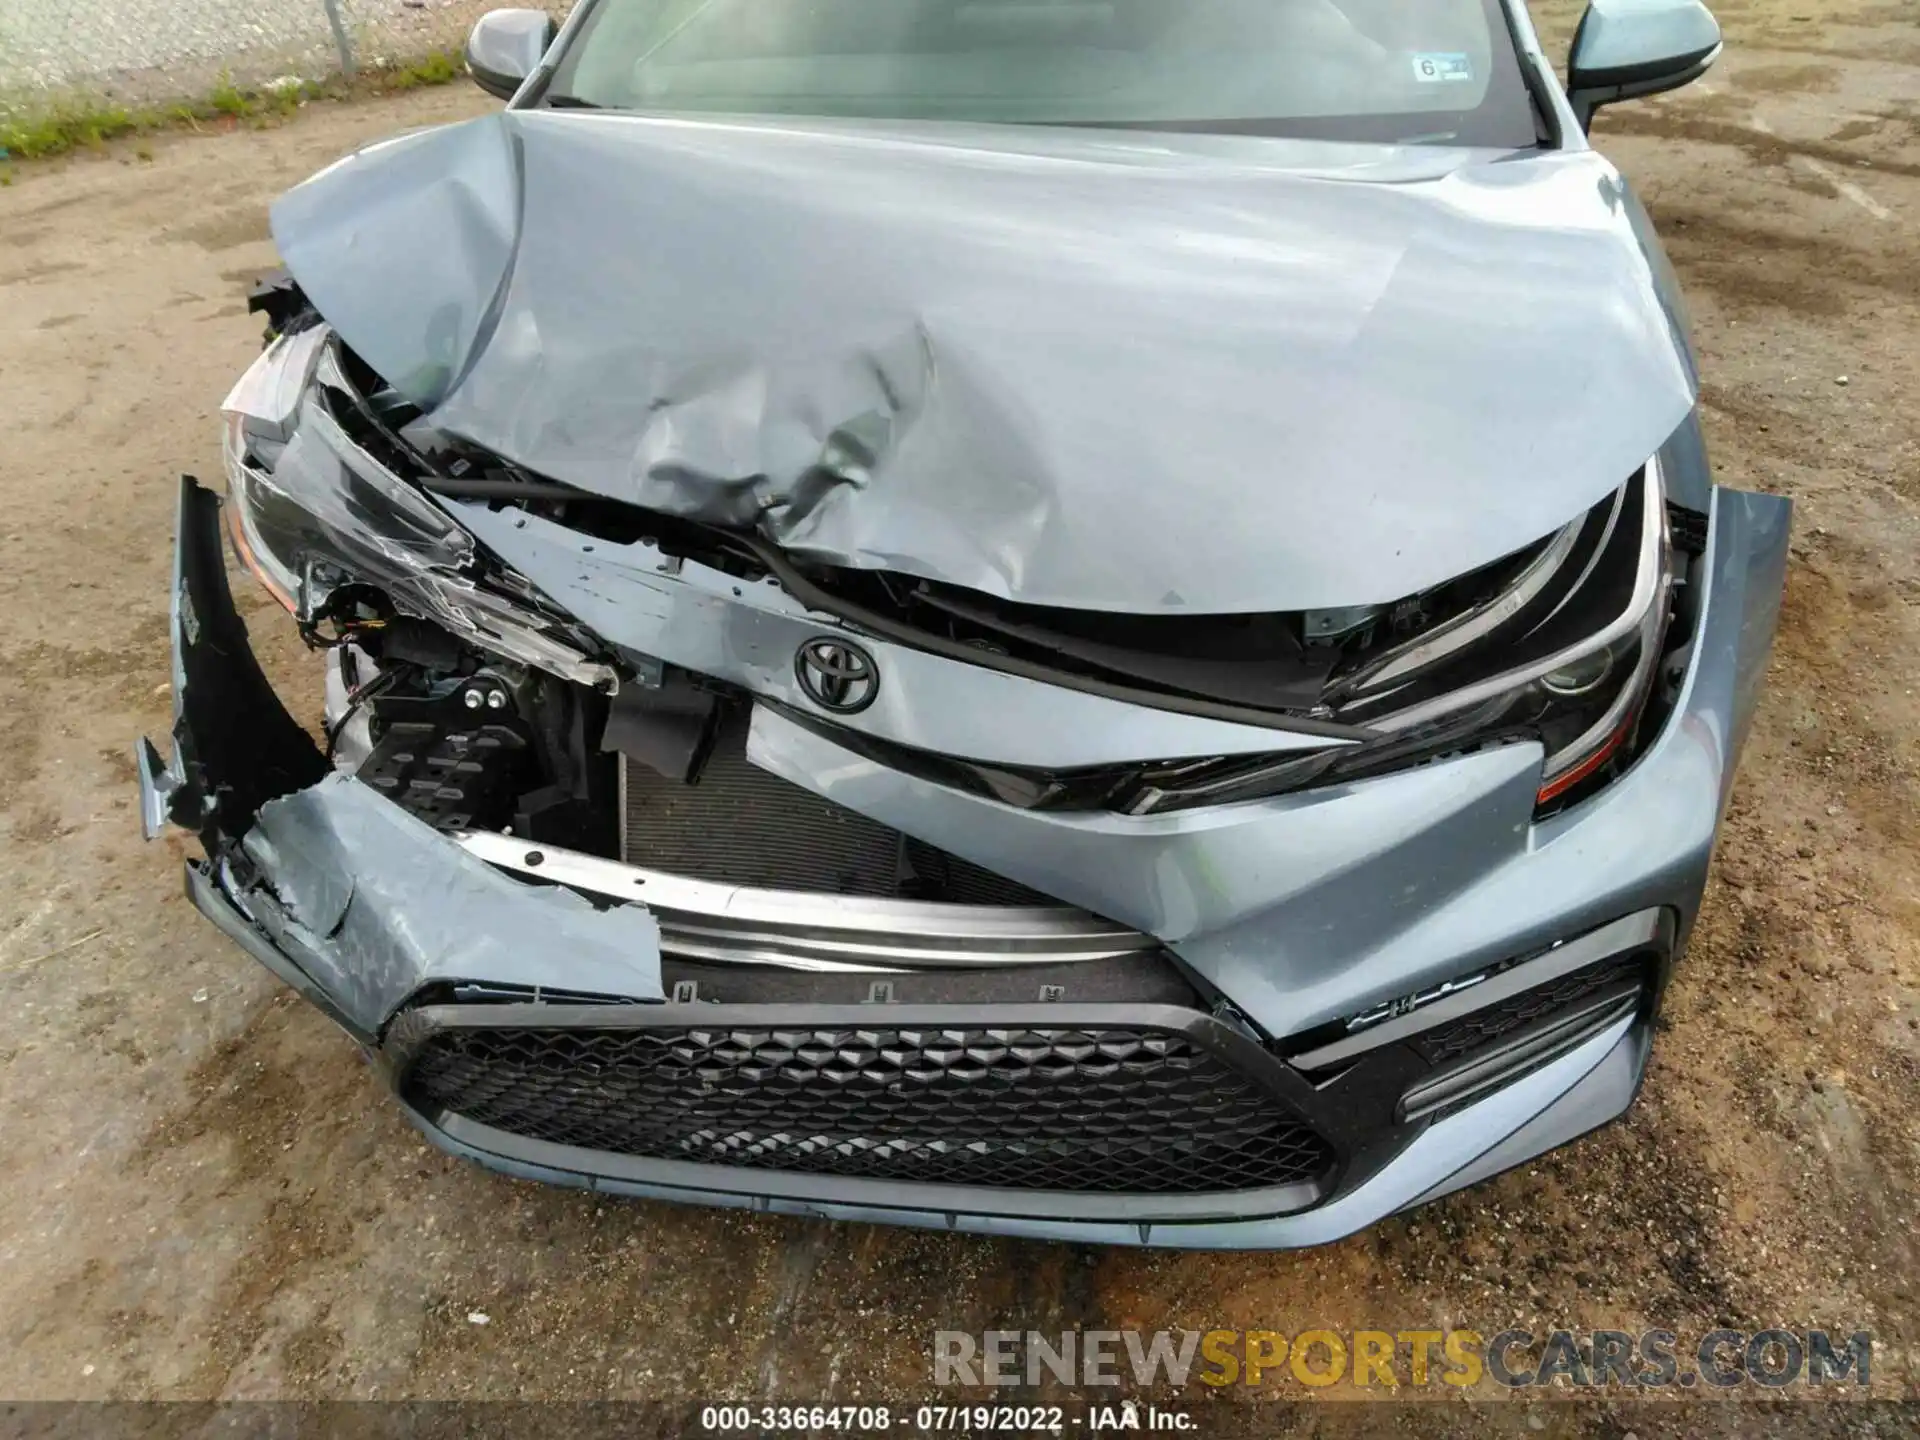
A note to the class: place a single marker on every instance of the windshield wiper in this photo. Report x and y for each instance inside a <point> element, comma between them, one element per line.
<point>572,102</point>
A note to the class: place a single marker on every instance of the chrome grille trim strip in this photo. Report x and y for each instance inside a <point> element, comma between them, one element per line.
<point>701,919</point>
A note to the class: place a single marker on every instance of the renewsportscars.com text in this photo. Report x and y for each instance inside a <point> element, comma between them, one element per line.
<point>1395,1359</point>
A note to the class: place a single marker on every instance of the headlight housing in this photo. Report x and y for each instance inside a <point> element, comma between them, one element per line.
<point>316,509</point>
<point>313,506</point>
<point>1565,652</point>
<point>1578,655</point>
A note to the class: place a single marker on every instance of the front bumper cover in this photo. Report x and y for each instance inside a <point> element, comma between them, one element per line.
<point>365,910</point>
<point>356,903</point>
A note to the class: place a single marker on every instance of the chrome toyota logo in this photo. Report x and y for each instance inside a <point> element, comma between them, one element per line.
<point>837,676</point>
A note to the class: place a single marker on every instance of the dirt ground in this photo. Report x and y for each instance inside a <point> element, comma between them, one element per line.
<point>204,1194</point>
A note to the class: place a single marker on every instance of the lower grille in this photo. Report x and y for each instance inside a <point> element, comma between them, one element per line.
<point>1490,1023</point>
<point>1122,1110</point>
<point>1521,1053</point>
<point>740,825</point>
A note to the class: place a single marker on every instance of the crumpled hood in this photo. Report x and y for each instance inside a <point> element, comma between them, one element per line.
<point>1110,370</point>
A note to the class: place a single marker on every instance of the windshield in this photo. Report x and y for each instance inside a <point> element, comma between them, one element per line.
<point>1433,70</point>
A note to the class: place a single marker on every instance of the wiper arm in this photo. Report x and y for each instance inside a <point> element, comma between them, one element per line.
<point>572,102</point>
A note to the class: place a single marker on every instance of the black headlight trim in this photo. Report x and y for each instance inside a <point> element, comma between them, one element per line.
<point>1651,576</point>
<point>1442,715</point>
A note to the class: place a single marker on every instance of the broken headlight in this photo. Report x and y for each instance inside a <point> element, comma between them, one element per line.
<point>323,516</point>
<point>1565,654</point>
<point>312,507</point>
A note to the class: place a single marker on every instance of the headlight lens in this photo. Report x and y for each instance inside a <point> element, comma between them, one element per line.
<point>244,482</point>
<point>312,504</point>
<point>1565,653</point>
<point>1579,677</point>
<point>1579,654</point>
<point>313,508</point>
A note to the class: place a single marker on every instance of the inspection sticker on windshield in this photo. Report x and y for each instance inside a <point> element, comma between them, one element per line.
<point>1432,69</point>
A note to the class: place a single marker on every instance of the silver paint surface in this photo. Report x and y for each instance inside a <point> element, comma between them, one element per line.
<point>508,45</point>
<point>378,905</point>
<point>1625,34</point>
<point>1153,373</point>
<point>691,615</point>
<point>1307,907</point>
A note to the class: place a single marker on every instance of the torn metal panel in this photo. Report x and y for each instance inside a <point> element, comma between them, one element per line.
<point>433,229</point>
<point>1154,374</point>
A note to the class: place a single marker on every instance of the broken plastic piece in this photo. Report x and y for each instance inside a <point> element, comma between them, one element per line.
<point>338,890</point>
<point>667,729</point>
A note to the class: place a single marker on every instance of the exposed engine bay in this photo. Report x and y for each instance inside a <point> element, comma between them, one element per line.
<point>480,701</point>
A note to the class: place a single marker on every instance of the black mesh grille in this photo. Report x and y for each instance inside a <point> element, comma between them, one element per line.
<point>1134,1111</point>
<point>1470,1032</point>
<point>740,825</point>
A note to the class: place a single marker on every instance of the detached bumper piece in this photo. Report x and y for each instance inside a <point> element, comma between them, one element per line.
<point>1106,1100</point>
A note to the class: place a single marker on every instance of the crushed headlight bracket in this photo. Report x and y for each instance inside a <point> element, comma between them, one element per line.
<point>338,891</point>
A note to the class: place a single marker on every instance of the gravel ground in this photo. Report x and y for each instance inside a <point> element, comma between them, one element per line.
<point>205,1195</point>
<point>156,50</point>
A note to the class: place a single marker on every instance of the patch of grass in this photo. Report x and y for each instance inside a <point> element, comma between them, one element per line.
<point>227,100</point>
<point>79,125</point>
<point>437,69</point>
<point>53,132</point>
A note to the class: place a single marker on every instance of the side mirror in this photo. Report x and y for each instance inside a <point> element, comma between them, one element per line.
<point>506,46</point>
<point>1628,48</point>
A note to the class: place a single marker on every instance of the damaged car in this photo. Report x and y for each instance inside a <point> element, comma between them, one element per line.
<point>1092,620</point>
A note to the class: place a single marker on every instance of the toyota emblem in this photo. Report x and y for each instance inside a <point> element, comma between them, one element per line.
<point>837,676</point>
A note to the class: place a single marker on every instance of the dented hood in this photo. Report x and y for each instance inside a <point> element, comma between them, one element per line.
<point>1110,370</point>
